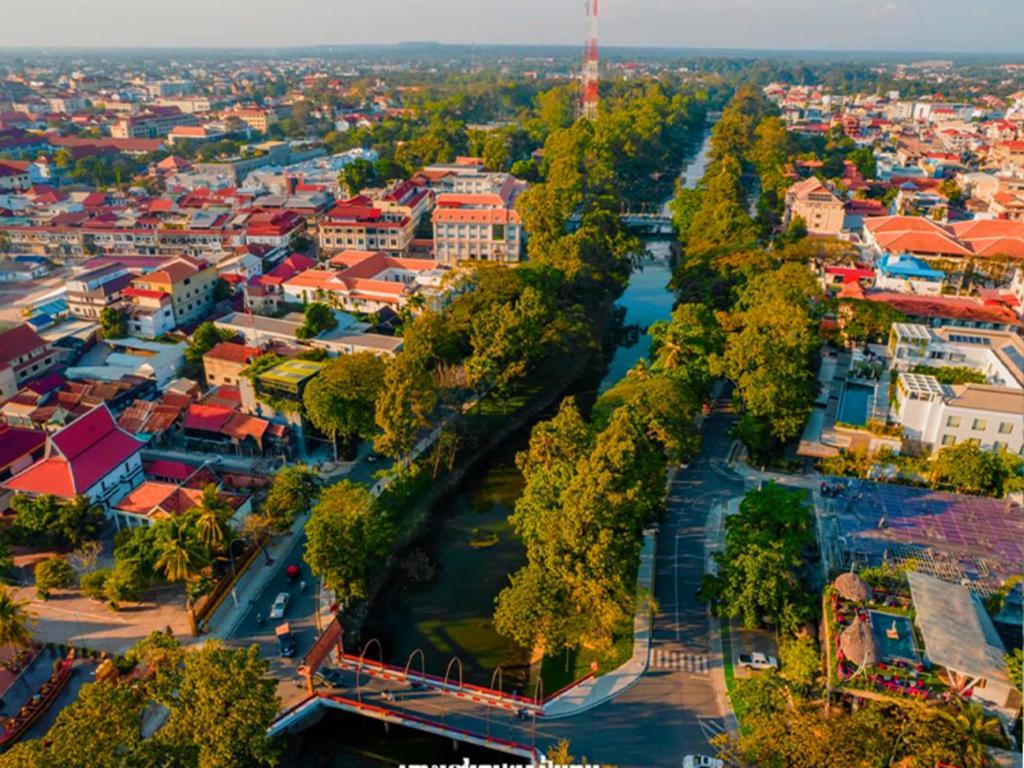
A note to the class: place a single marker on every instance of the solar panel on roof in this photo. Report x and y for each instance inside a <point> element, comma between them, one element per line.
<point>1014,355</point>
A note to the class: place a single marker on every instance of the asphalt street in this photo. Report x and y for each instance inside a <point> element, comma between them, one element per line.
<point>671,711</point>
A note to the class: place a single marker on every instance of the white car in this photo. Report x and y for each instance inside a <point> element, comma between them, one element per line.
<point>702,761</point>
<point>280,606</point>
<point>757,661</point>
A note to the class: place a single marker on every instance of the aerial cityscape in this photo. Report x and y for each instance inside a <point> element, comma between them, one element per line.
<point>612,383</point>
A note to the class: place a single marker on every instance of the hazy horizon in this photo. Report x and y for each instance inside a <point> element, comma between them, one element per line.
<point>856,26</point>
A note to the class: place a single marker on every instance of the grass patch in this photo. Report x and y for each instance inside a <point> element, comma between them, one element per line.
<point>558,672</point>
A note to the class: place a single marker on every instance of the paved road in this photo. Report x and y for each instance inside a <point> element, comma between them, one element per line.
<point>672,710</point>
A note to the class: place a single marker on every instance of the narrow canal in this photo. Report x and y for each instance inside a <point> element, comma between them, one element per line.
<point>450,614</point>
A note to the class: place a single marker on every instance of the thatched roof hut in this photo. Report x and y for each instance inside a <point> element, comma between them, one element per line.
<point>858,644</point>
<point>850,586</point>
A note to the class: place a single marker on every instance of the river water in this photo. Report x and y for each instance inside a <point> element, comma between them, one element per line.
<point>451,615</point>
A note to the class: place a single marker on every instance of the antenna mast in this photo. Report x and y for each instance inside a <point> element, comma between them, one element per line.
<point>591,76</point>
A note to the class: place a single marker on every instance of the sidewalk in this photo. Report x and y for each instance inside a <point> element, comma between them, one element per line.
<point>597,690</point>
<point>252,583</point>
<point>714,541</point>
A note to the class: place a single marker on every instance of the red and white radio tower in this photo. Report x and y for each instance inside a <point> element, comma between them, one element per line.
<point>591,75</point>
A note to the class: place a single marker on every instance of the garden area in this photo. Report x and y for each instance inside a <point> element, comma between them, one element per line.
<point>873,643</point>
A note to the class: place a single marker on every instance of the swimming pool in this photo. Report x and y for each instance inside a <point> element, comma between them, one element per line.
<point>853,408</point>
<point>902,646</point>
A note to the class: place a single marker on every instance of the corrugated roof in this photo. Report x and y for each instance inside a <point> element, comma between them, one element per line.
<point>958,633</point>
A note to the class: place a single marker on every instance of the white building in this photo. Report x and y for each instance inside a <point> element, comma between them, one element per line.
<point>934,414</point>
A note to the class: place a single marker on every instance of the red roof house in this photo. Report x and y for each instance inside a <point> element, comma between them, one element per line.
<point>91,456</point>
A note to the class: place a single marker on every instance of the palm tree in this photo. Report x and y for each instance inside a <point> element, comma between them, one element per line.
<point>181,556</point>
<point>14,620</point>
<point>211,518</point>
<point>977,730</point>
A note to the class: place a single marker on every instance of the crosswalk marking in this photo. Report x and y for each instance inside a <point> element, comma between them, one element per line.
<point>696,663</point>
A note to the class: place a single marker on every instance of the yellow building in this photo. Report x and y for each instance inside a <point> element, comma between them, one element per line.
<point>190,284</point>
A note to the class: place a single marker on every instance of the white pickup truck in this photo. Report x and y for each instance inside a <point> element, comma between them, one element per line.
<point>757,661</point>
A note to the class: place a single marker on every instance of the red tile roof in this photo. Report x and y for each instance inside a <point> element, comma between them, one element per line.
<point>83,453</point>
<point>207,418</point>
<point>16,442</point>
<point>18,341</point>
<point>233,352</point>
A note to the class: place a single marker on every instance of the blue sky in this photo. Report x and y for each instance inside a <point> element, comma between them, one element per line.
<point>949,25</point>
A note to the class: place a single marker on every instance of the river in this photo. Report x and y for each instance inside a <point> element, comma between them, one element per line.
<point>451,615</point>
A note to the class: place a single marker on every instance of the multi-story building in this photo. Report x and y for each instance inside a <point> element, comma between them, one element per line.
<point>934,414</point>
<point>277,229</point>
<point>91,292</point>
<point>26,353</point>
<point>357,224</point>
<point>479,226</point>
<point>256,118</point>
<point>159,121</point>
<point>364,281</point>
<point>819,207</point>
<point>150,312</point>
<point>189,282</point>
<point>223,365</point>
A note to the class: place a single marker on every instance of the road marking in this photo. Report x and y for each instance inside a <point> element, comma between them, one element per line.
<point>675,581</point>
<point>710,727</point>
<point>694,663</point>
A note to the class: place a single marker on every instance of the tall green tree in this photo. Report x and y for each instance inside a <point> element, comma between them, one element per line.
<point>406,400</point>
<point>212,516</point>
<point>347,536</point>
<point>342,399</point>
<point>205,338</point>
<point>293,491</point>
<point>224,705</point>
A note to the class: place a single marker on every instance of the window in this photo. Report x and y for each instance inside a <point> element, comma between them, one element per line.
<point>1005,428</point>
<point>949,439</point>
<point>998,445</point>
<point>953,421</point>
<point>979,425</point>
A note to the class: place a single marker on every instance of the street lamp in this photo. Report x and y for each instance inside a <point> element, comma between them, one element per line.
<point>234,574</point>
<point>423,665</point>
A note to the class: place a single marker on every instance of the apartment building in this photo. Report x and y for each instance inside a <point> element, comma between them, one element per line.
<point>934,414</point>
<point>482,226</point>
<point>150,312</point>
<point>91,292</point>
<point>189,283</point>
<point>357,224</point>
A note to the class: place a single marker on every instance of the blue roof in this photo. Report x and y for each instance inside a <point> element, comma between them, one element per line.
<point>39,322</point>
<point>905,265</point>
<point>56,307</point>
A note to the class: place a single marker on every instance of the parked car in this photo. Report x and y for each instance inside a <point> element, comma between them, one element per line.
<point>285,641</point>
<point>757,661</point>
<point>280,606</point>
<point>702,761</point>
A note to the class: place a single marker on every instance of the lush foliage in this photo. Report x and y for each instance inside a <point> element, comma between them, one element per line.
<point>318,318</point>
<point>348,536</point>
<point>203,339</point>
<point>759,572</point>
<point>50,521</point>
